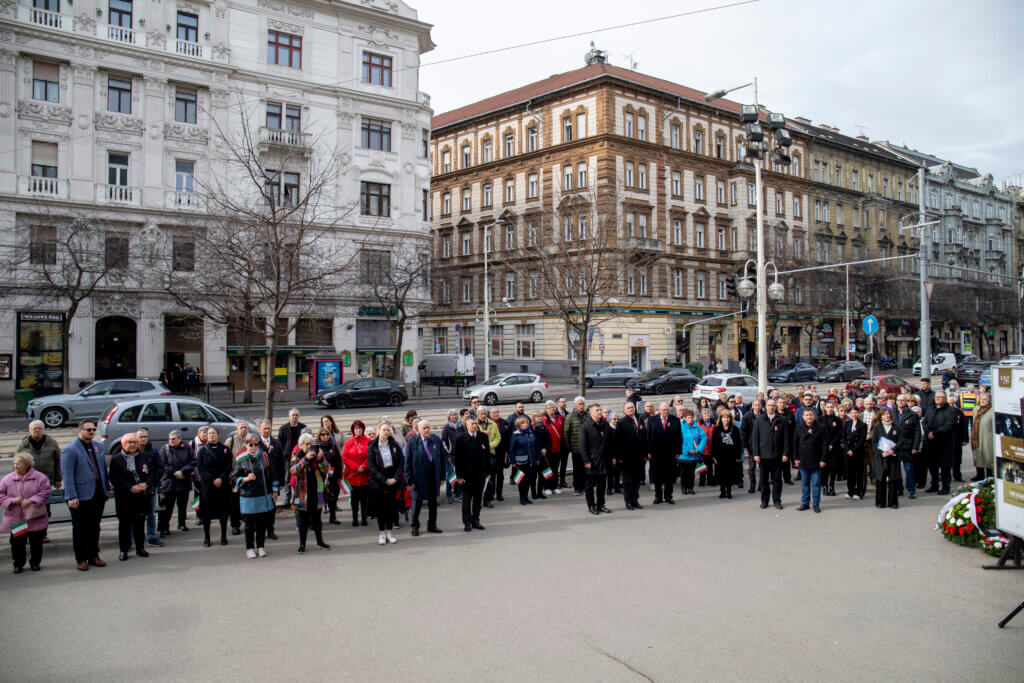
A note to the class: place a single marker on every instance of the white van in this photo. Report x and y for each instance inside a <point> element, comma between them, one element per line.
<point>940,362</point>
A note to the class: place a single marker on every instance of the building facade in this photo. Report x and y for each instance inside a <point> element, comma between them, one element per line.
<point>119,109</point>
<point>684,196</point>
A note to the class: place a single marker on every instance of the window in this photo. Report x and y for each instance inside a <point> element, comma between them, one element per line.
<point>674,137</point>
<point>567,129</point>
<point>824,212</point>
<point>510,145</point>
<point>581,125</point>
<point>115,251</point>
<point>723,294</point>
<point>720,192</point>
<point>376,69</point>
<point>677,184</point>
<point>735,239</point>
<point>732,194</point>
<point>701,286</point>
<point>699,188</point>
<point>817,210</point>
<point>643,283</point>
<point>630,224</point>
<point>275,183</point>
<point>488,241</point>
<point>641,224</point>
<point>446,246</point>
<point>44,159</point>
<point>630,281</point>
<point>642,176</point>
<point>699,233</point>
<point>440,339</point>
<point>719,147</point>
<point>117,169</point>
<point>487,194</point>
<point>796,207</point>
<point>467,290</point>
<point>853,180</point>
<point>779,206</point>
<point>43,246</point>
<point>510,236</point>
<point>533,286</point>
<point>531,235</point>
<point>497,340</point>
<point>581,224</point>
<point>426,205</point>
<point>677,282</point>
<point>751,194</point>
<point>567,177</point>
<point>467,199</point>
<point>510,286</point>
<point>376,135</point>
<point>510,190</point>
<point>628,124</point>
<point>677,231</point>
<point>698,141</point>
<point>45,81</point>
<point>120,14</point>
<point>188,29</point>
<point>798,248</point>
<point>581,175</point>
<point>721,239</point>
<point>184,177</point>
<point>485,151</point>
<point>531,139</point>
<point>119,95</point>
<point>467,243</point>
<point>629,173</point>
<point>185,106</point>
<point>531,186</point>
<point>467,156</point>
<point>525,341</point>
<point>641,127</point>
<point>183,254</point>
<point>567,228</point>
<point>375,199</point>
<point>284,49</point>
<point>446,204</point>
<point>446,161</point>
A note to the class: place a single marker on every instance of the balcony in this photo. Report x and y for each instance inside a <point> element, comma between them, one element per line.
<point>181,200</point>
<point>643,244</point>
<point>36,186</point>
<point>117,194</point>
<point>44,18</point>
<point>120,34</point>
<point>189,49</point>
<point>279,137</point>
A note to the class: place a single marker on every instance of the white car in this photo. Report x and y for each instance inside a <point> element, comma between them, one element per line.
<point>508,387</point>
<point>940,362</point>
<point>713,386</point>
<point>1013,359</point>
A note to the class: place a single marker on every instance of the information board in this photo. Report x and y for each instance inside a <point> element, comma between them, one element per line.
<point>1008,402</point>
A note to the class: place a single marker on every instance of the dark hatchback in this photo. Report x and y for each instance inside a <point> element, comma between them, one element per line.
<point>842,372</point>
<point>370,391</point>
<point>793,372</point>
<point>970,372</point>
<point>665,380</point>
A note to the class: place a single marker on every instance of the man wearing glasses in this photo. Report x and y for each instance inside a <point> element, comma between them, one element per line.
<point>84,472</point>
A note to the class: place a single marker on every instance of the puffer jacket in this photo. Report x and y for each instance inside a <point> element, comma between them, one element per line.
<point>694,439</point>
<point>573,424</point>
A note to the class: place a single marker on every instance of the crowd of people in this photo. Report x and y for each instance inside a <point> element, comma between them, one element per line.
<point>900,443</point>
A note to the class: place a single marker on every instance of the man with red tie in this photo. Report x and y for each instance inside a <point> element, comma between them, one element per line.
<point>664,444</point>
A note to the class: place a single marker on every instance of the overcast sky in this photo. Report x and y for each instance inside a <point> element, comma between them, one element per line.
<point>942,76</point>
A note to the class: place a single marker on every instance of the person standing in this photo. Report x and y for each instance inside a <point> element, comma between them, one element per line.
<point>44,451</point>
<point>449,433</point>
<point>23,496</point>
<point>179,464</point>
<point>424,469</point>
<point>854,436</point>
<point>810,449</point>
<point>573,425</point>
<point>472,461</point>
<point>131,476</point>
<point>770,443</point>
<point>983,438</point>
<point>540,432</point>
<point>288,435</point>
<point>524,454</point>
<point>707,424</point>
<point>595,450</point>
<point>694,440</point>
<point>746,429</point>
<point>908,445</point>
<point>353,455</point>
<point>156,466</point>
<point>884,440</point>
<point>236,446</point>
<point>631,452</point>
<point>331,451</point>
<point>274,453</point>
<point>490,429</point>
<point>925,394</point>
<point>833,426</point>
<point>213,463</point>
<point>257,491</point>
<point>499,458</point>
<point>556,426</point>
<point>385,464</point>
<point>727,451</point>
<point>84,473</point>
<point>664,444</point>
<point>308,471</point>
<point>940,423</point>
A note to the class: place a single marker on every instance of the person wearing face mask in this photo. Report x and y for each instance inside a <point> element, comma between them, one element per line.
<point>694,440</point>
<point>214,462</point>
<point>771,441</point>
<point>631,449</point>
<point>595,449</point>
<point>132,476</point>
<point>176,484</point>
<point>809,453</point>
<point>472,461</point>
<point>664,444</point>
<point>386,465</point>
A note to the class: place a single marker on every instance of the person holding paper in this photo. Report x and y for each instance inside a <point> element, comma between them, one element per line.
<point>884,437</point>
<point>810,448</point>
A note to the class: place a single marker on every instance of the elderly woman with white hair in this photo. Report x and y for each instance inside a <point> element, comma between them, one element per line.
<point>308,479</point>
<point>23,496</point>
<point>132,477</point>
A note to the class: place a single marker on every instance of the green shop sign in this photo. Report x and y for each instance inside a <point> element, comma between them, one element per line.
<point>377,310</point>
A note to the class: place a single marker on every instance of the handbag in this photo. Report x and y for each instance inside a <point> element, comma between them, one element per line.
<point>33,511</point>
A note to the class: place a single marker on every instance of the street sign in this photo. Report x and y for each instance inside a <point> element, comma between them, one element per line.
<point>458,328</point>
<point>870,324</point>
<point>602,348</point>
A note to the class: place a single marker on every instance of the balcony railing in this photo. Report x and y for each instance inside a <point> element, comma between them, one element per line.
<point>643,244</point>
<point>45,18</point>
<point>118,34</point>
<point>284,138</point>
<point>117,194</point>
<point>189,49</point>
<point>180,199</point>
<point>36,186</point>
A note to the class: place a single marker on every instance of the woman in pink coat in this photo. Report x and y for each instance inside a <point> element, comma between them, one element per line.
<point>23,496</point>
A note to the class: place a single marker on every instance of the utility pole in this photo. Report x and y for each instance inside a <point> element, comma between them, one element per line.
<point>846,330</point>
<point>926,323</point>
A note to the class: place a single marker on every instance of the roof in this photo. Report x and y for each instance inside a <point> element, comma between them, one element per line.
<point>837,138</point>
<point>960,171</point>
<point>568,79</point>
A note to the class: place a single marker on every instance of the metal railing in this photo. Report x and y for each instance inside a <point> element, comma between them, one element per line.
<point>643,244</point>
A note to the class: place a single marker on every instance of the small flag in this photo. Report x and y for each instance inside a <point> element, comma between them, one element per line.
<point>19,528</point>
<point>547,473</point>
<point>701,469</point>
<point>244,455</point>
<point>452,479</point>
<point>346,488</point>
<point>195,503</point>
<point>330,472</point>
<point>519,477</point>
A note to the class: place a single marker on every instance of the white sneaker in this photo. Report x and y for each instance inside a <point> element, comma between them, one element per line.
<point>250,554</point>
<point>847,496</point>
<point>856,497</point>
<point>547,492</point>
<point>391,538</point>
<point>261,552</point>
<point>558,492</point>
<point>382,540</point>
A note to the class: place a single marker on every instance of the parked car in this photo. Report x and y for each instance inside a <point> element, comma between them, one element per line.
<point>673,380</point>
<point>793,372</point>
<point>1013,359</point>
<point>508,387</point>
<point>615,376</point>
<point>368,391</point>
<point>892,384</point>
<point>162,415</point>
<point>57,409</point>
<point>842,371</point>
<point>712,386</point>
<point>970,372</point>
<point>940,362</point>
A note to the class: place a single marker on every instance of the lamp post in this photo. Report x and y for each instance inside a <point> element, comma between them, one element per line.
<point>755,149</point>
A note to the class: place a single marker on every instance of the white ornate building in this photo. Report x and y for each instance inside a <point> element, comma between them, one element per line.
<point>109,106</point>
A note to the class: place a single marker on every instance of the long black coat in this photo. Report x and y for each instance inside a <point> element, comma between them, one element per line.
<point>275,454</point>
<point>876,435</point>
<point>631,447</point>
<point>942,422</point>
<point>726,455</point>
<point>596,445</point>
<point>472,456</point>
<point>810,446</point>
<point>214,461</point>
<point>854,437</point>
<point>377,472</point>
<point>770,437</point>
<point>909,435</point>
<point>833,425</point>
<point>130,504</point>
<point>664,444</point>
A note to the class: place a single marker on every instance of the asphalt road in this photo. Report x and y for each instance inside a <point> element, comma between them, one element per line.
<point>703,590</point>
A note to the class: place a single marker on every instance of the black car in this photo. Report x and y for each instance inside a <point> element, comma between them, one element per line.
<point>372,391</point>
<point>793,372</point>
<point>665,380</point>
<point>842,371</point>
<point>970,372</point>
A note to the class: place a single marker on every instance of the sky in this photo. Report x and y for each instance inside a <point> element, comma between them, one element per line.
<point>941,76</point>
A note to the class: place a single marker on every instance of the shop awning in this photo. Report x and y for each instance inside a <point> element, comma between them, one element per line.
<point>376,349</point>
<point>281,350</point>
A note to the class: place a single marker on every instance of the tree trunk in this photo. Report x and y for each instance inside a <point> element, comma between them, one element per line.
<point>398,350</point>
<point>581,354</point>
<point>268,401</point>
<point>247,372</point>
<point>65,347</point>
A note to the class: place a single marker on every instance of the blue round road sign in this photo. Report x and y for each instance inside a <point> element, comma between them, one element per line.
<point>870,325</point>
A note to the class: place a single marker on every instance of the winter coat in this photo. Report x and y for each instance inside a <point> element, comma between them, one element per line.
<point>128,503</point>
<point>353,455</point>
<point>572,427</point>
<point>472,456</point>
<point>174,460</point>
<point>556,427</point>
<point>417,469</point>
<point>255,496</point>
<point>631,447</point>
<point>809,445</point>
<point>909,431</point>
<point>214,461</point>
<point>854,437</point>
<point>302,498</point>
<point>596,446</point>
<point>47,456</point>
<point>770,437</point>
<point>694,441</point>
<point>877,434</point>
<point>375,466</point>
<point>35,486</point>
<point>984,454</point>
<point>522,449</point>
<point>726,453</point>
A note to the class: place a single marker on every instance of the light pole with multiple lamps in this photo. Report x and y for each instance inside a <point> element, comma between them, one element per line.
<point>757,145</point>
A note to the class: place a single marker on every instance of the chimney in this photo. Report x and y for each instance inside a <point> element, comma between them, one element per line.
<point>595,56</point>
<point>804,120</point>
<point>863,138</point>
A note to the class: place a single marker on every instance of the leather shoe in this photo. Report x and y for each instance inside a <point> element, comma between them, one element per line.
<point>670,501</point>
<point>155,542</point>
<point>817,508</point>
<point>478,525</point>
<point>778,506</point>
<point>803,507</point>
<point>271,535</point>
<point>594,511</point>
<point>764,506</point>
<point>604,509</point>
<point>83,566</point>
<point>34,567</point>
<point>638,506</point>
<point>435,530</point>
<point>142,552</point>
<point>415,531</point>
<point>629,506</point>
<point>468,528</point>
<point>97,562</point>
<point>123,557</point>
<point>488,504</point>
<point>235,531</point>
<point>18,570</point>
<point>322,545</point>
<point>657,501</point>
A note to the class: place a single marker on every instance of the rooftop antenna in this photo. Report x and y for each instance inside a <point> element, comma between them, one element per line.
<point>595,56</point>
<point>861,128</point>
<point>631,63</point>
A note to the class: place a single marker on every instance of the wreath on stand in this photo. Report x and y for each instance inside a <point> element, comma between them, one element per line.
<point>969,515</point>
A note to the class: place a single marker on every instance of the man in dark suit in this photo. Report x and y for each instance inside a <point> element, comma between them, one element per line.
<point>631,451</point>
<point>424,469</point>
<point>746,430</point>
<point>770,442</point>
<point>596,452</point>
<point>664,444</point>
<point>472,463</point>
<point>288,435</point>
<point>83,468</point>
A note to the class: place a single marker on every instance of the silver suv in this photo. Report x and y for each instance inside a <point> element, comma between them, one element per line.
<point>161,415</point>
<point>57,409</point>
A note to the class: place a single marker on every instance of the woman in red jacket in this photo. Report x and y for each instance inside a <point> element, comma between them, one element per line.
<point>353,455</point>
<point>708,425</point>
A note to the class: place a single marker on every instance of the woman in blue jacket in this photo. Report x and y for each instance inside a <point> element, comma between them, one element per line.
<point>694,440</point>
<point>524,454</point>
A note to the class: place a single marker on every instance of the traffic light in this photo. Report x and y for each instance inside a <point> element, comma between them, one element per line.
<point>730,285</point>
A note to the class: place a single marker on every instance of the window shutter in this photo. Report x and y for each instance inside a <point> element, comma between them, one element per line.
<point>46,71</point>
<point>44,153</point>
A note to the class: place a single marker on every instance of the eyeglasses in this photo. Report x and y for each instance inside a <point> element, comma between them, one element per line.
<point>88,429</point>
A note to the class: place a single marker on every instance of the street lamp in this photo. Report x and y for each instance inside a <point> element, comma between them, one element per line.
<point>757,145</point>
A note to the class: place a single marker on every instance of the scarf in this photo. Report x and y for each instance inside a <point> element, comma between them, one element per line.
<point>978,412</point>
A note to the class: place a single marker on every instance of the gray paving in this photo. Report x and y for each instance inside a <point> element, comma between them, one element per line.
<point>705,590</point>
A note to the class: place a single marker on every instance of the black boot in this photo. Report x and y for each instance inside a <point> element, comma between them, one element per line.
<point>206,534</point>
<point>224,532</point>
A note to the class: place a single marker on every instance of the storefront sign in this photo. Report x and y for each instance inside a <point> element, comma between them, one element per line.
<point>6,361</point>
<point>1008,397</point>
<point>639,340</point>
<point>40,352</point>
<point>825,334</point>
<point>376,310</point>
<point>407,358</point>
